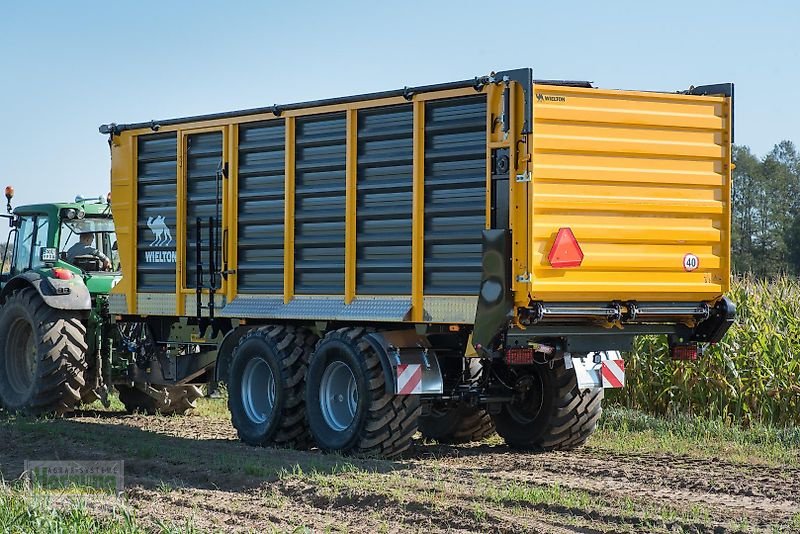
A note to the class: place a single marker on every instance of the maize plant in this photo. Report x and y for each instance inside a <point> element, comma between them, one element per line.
<point>753,375</point>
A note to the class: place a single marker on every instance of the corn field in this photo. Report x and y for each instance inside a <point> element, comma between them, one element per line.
<point>753,375</point>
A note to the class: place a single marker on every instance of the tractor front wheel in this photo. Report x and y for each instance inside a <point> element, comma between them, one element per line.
<point>42,356</point>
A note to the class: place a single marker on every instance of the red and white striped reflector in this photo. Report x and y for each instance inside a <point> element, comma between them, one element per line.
<point>409,379</point>
<point>519,356</point>
<point>613,373</point>
<point>685,352</point>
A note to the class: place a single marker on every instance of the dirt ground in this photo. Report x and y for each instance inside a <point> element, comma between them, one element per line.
<point>193,473</point>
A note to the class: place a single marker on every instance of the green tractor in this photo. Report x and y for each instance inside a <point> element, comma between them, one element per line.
<point>59,347</point>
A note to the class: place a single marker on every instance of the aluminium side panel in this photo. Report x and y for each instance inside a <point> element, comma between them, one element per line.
<point>455,194</point>
<point>156,182</point>
<point>384,184</point>
<point>203,200</point>
<point>261,207</point>
<point>319,233</point>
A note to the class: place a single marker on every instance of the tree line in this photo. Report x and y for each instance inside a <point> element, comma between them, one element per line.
<point>766,211</point>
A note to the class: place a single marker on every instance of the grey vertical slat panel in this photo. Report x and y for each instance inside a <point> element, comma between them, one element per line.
<point>455,194</point>
<point>385,155</point>
<point>203,159</point>
<point>261,207</point>
<point>157,172</point>
<point>320,144</point>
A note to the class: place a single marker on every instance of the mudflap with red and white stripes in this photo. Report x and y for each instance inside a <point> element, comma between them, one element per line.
<point>409,379</point>
<point>416,372</point>
<point>409,367</point>
<point>613,373</point>
<point>598,370</point>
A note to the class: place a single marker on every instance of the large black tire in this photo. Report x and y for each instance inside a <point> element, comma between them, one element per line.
<point>42,356</point>
<point>266,386</point>
<point>460,423</point>
<point>554,414</point>
<point>179,400</point>
<point>374,421</point>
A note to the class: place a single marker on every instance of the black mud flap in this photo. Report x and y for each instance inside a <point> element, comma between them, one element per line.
<point>495,303</point>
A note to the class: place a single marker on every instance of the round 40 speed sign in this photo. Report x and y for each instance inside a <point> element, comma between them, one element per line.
<point>690,262</point>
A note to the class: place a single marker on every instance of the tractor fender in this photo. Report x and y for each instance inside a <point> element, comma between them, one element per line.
<point>58,294</point>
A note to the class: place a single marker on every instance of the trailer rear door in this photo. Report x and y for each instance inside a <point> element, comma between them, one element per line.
<point>643,181</point>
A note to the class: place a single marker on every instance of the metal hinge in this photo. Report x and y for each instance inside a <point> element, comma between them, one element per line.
<point>524,177</point>
<point>524,278</point>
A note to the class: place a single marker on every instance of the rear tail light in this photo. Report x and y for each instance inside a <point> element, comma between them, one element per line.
<point>519,356</point>
<point>62,274</point>
<point>688,352</point>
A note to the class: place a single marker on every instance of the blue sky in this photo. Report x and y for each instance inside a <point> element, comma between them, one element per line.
<point>67,67</point>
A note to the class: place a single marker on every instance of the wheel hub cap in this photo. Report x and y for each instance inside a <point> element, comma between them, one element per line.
<point>258,391</point>
<point>338,394</point>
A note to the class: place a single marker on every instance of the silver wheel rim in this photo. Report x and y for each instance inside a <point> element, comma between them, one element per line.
<point>258,391</point>
<point>338,395</point>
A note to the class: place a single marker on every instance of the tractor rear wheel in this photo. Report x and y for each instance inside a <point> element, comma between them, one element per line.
<point>163,400</point>
<point>42,356</point>
<point>549,411</point>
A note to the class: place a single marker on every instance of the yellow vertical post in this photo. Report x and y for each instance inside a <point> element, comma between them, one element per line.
<point>288,221</point>
<point>180,225</point>
<point>418,216</point>
<point>727,171</point>
<point>133,250</point>
<point>231,217</point>
<point>350,207</point>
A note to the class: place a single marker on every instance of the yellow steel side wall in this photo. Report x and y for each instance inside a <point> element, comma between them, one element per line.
<point>642,179</point>
<point>123,205</point>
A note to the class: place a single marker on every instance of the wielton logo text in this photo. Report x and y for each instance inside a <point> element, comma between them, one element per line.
<point>549,98</point>
<point>159,256</point>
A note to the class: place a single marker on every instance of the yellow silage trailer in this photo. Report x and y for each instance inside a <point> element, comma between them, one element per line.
<point>454,258</point>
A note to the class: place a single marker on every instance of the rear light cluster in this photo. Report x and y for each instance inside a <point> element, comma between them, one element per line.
<point>688,352</point>
<point>62,274</point>
<point>519,356</point>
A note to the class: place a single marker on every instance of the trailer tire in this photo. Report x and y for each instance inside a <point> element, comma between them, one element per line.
<point>460,423</point>
<point>42,356</point>
<point>373,420</point>
<point>180,400</point>
<point>266,386</point>
<point>553,415</point>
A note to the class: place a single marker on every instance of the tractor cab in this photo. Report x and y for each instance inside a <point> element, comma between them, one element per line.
<point>89,243</point>
<point>63,240</point>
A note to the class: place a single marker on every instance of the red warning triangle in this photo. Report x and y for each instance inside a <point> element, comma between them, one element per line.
<point>566,252</point>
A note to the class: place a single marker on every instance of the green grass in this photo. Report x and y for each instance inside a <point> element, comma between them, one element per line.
<point>631,431</point>
<point>22,511</point>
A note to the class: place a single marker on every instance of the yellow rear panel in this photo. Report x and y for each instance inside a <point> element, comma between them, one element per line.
<point>642,179</point>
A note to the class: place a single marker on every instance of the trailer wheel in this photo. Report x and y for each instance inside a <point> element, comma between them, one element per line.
<point>351,408</point>
<point>266,386</point>
<point>460,423</point>
<point>42,356</point>
<point>550,413</point>
<point>165,400</point>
